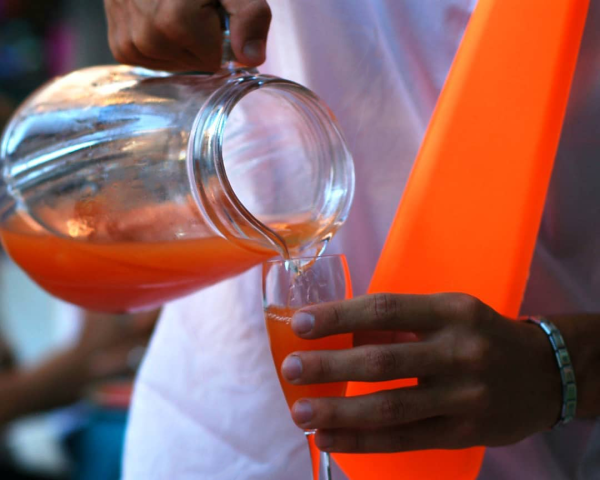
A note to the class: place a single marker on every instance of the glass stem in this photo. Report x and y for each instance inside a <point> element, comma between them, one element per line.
<point>320,461</point>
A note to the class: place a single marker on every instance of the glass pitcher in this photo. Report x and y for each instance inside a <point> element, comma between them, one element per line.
<point>123,188</point>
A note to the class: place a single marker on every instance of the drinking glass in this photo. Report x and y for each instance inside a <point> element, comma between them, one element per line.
<point>289,285</point>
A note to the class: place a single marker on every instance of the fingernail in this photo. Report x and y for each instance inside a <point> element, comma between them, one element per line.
<point>302,412</point>
<point>324,440</point>
<point>302,323</point>
<point>291,368</point>
<point>254,50</point>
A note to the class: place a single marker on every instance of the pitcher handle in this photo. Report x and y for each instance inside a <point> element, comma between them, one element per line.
<point>228,60</point>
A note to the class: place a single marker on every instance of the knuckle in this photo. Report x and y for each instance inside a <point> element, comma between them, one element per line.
<point>119,56</point>
<point>479,398</point>
<point>334,319</point>
<point>392,410</point>
<point>380,362</point>
<point>399,441</point>
<point>324,367</point>
<point>357,443</point>
<point>115,48</point>
<point>383,307</point>
<point>143,41</point>
<point>466,433</point>
<point>171,20</point>
<point>467,352</point>
<point>468,346</point>
<point>474,354</point>
<point>126,52</point>
<point>336,322</point>
<point>328,416</point>
<point>462,305</point>
<point>169,28</point>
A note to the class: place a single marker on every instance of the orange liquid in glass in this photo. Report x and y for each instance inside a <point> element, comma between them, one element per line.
<point>125,276</point>
<point>284,341</point>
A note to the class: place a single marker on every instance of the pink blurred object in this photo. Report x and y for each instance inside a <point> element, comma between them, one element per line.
<point>60,50</point>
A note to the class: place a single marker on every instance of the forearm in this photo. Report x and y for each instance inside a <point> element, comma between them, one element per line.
<point>582,338</point>
<point>56,382</point>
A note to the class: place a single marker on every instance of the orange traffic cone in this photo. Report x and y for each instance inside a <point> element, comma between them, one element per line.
<point>470,214</point>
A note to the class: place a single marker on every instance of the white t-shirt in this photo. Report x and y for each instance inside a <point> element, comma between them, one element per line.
<point>207,403</point>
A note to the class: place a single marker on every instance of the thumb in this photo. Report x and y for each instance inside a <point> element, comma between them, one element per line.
<point>249,25</point>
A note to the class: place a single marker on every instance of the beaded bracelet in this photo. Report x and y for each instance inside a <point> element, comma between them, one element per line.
<point>567,374</point>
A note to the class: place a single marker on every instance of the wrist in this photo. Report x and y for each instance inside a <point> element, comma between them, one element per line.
<point>14,397</point>
<point>56,382</point>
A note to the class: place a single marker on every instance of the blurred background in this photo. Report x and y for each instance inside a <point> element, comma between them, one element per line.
<point>68,421</point>
<point>40,39</point>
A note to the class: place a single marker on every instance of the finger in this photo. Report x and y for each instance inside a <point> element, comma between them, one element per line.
<point>127,53</point>
<point>369,363</point>
<point>250,21</point>
<point>155,46</point>
<point>426,434</point>
<point>117,32</point>
<point>409,313</point>
<point>125,50</point>
<point>382,409</point>
<point>194,27</point>
<point>381,337</point>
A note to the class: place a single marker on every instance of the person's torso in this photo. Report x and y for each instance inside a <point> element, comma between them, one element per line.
<point>380,65</point>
